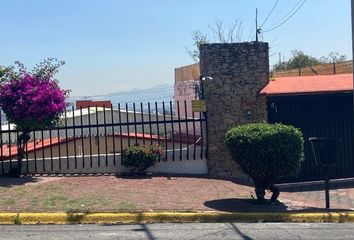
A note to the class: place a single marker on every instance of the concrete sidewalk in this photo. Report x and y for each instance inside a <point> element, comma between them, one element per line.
<point>157,193</point>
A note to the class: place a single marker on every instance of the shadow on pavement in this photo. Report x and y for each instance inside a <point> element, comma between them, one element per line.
<point>251,205</point>
<point>244,205</point>
<point>16,181</point>
<point>238,232</point>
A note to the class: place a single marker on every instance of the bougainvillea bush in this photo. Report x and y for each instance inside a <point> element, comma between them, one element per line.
<point>32,100</point>
<point>140,157</point>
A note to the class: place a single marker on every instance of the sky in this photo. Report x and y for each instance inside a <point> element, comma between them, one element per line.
<point>115,45</point>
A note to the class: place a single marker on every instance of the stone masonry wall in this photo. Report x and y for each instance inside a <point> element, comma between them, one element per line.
<point>234,73</point>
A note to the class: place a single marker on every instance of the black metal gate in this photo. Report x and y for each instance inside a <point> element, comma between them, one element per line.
<point>322,115</point>
<point>90,140</point>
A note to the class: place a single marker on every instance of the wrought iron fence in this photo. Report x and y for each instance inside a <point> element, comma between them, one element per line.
<point>94,137</point>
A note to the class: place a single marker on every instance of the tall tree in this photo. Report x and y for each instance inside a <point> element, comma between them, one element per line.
<point>219,32</point>
<point>301,60</point>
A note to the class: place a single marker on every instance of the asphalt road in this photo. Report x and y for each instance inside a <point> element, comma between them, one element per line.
<point>244,231</point>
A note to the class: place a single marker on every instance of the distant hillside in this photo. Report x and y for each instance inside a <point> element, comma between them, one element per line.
<point>159,94</point>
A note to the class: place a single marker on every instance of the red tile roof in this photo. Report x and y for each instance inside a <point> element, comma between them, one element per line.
<point>309,85</point>
<point>90,103</point>
<point>5,150</point>
<point>38,145</point>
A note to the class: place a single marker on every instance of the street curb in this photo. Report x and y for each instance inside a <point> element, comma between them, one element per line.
<point>170,217</point>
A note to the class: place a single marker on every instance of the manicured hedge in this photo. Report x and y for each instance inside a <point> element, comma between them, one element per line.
<point>266,151</point>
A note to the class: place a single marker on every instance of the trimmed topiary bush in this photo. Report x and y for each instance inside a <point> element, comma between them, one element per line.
<point>140,157</point>
<point>266,152</point>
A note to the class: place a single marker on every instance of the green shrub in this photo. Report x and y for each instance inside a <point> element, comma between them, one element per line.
<point>266,152</point>
<point>140,157</point>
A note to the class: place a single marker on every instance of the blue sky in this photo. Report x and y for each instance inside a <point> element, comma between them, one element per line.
<point>112,45</point>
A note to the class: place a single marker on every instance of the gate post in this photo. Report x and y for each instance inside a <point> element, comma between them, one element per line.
<point>233,76</point>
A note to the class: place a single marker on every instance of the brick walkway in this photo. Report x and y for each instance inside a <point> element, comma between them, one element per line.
<point>110,193</point>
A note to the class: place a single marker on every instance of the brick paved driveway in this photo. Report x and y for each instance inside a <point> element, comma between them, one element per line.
<point>110,193</point>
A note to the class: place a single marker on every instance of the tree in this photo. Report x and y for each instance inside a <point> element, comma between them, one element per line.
<point>301,60</point>
<point>219,32</point>
<point>5,73</point>
<point>334,57</point>
<point>198,39</point>
<point>32,100</point>
<point>298,60</point>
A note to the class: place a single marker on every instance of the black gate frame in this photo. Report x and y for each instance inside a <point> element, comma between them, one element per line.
<point>328,115</point>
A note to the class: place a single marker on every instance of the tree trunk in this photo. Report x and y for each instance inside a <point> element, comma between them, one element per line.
<point>21,143</point>
<point>275,191</point>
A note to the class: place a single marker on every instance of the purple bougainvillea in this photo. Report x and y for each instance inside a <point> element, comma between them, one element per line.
<point>32,101</point>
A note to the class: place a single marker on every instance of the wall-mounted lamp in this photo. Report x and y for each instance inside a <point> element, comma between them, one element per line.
<point>248,114</point>
<point>205,78</point>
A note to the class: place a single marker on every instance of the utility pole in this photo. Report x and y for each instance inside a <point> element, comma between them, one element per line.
<point>279,57</point>
<point>257,24</point>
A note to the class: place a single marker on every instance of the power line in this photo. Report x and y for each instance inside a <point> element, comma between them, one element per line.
<point>286,15</point>
<point>138,92</point>
<point>145,100</point>
<point>127,92</point>
<point>281,23</point>
<point>270,12</point>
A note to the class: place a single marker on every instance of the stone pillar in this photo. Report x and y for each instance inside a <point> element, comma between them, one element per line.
<point>234,74</point>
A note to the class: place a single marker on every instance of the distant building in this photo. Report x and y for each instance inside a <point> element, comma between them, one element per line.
<point>89,103</point>
<point>186,87</point>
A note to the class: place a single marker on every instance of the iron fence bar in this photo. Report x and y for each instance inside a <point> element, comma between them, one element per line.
<point>90,135</point>
<point>128,130</point>
<point>10,155</point>
<point>59,148</point>
<point>74,137</point>
<point>113,138</point>
<point>35,151</point>
<point>201,136</point>
<point>142,120</point>
<point>98,138</point>
<point>66,141</point>
<point>105,133</point>
<point>157,124</point>
<point>173,132</point>
<point>82,139</point>
<point>43,157</point>
<point>180,131</point>
<point>150,125</point>
<point>117,124</point>
<point>186,115</point>
<point>135,126</point>
<point>120,131</point>
<point>51,150</point>
<point>194,137</point>
<point>165,128</point>
<point>18,146</point>
<point>27,157</point>
<point>158,127</point>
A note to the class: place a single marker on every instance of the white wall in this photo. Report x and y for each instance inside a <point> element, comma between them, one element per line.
<point>184,166</point>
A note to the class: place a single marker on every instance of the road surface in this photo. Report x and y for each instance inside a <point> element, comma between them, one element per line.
<point>190,231</point>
